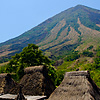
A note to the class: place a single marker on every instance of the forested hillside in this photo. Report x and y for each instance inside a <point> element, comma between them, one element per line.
<point>87,60</point>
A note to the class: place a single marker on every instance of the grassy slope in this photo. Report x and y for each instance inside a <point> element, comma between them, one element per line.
<point>82,63</point>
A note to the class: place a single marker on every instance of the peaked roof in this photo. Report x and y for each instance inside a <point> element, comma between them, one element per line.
<point>76,85</point>
<point>6,83</point>
<point>36,82</point>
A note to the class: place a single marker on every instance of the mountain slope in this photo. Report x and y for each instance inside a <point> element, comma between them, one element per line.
<point>75,28</point>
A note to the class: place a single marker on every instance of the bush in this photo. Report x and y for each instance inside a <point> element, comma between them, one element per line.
<point>72,57</point>
<point>87,53</point>
<point>90,47</point>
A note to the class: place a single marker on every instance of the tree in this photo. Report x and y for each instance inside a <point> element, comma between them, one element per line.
<point>30,56</point>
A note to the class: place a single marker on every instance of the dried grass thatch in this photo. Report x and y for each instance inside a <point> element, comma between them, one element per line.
<point>3,75</point>
<point>33,69</point>
<point>76,86</point>
<point>6,83</point>
<point>35,82</point>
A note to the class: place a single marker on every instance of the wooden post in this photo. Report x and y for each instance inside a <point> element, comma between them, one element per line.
<point>20,95</point>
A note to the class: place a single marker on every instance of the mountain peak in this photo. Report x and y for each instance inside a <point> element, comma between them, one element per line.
<point>80,7</point>
<point>60,33</point>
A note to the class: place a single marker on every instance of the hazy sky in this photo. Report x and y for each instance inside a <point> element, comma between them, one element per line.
<point>18,16</point>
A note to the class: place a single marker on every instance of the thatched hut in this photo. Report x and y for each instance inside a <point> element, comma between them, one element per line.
<point>76,85</point>
<point>6,83</point>
<point>35,82</point>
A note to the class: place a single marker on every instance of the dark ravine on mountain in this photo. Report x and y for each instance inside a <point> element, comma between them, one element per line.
<point>75,28</point>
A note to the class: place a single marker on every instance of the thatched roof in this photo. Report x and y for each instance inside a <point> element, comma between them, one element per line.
<point>3,75</point>
<point>33,69</point>
<point>36,82</point>
<point>6,83</point>
<point>76,85</point>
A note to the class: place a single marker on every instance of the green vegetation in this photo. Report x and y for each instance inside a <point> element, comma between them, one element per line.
<point>60,31</point>
<point>53,75</point>
<point>90,47</point>
<point>81,61</point>
<point>4,59</point>
<point>72,57</point>
<point>87,53</point>
<point>30,56</point>
<point>68,30</point>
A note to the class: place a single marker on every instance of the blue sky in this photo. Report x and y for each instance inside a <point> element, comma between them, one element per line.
<point>18,16</point>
